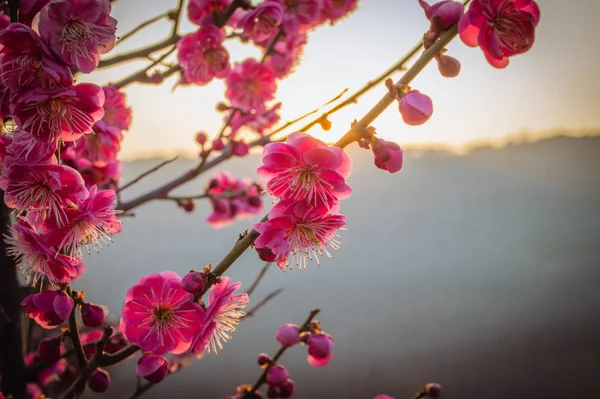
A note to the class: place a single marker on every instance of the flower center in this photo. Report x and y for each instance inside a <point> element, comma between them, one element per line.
<point>163,313</point>
<point>75,32</point>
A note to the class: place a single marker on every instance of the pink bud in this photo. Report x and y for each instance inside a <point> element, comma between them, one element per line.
<point>415,108</point>
<point>442,14</point>
<point>156,78</point>
<point>153,368</point>
<point>49,349</point>
<point>277,376</point>
<point>263,359</point>
<point>92,315</point>
<point>239,148</point>
<point>218,145</point>
<point>320,349</point>
<point>387,155</point>
<point>288,334</point>
<point>449,67</point>
<point>193,282</point>
<point>99,380</point>
<point>187,204</point>
<point>201,138</point>
<point>433,390</point>
<point>265,254</point>
<point>287,390</point>
<point>384,397</point>
<point>273,392</point>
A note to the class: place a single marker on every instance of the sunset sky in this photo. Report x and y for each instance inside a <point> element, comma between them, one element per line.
<point>553,86</point>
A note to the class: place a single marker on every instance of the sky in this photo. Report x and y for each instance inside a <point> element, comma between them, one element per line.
<point>555,86</point>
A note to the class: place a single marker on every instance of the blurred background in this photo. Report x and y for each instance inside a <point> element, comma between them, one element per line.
<point>476,266</point>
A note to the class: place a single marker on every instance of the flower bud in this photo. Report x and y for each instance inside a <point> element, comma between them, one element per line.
<point>193,282</point>
<point>320,349</point>
<point>187,204</point>
<point>273,392</point>
<point>239,148</point>
<point>201,138</point>
<point>49,349</point>
<point>99,380</point>
<point>265,254</point>
<point>433,390</point>
<point>218,144</point>
<point>263,359</point>
<point>448,66</point>
<point>325,124</point>
<point>415,108</point>
<point>153,368</point>
<point>277,375</point>
<point>48,308</point>
<point>255,201</point>
<point>288,334</point>
<point>442,14</point>
<point>92,315</point>
<point>387,155</point>
<point>287,390</point>
<point>156,78</point>
<point>222,107</point>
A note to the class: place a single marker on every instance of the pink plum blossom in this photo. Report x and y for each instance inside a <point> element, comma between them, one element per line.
<point>250,85</point>
<point>257,122</point>
<point>88,222</point>
<point>26,150</point>
<point>334,10</point>
<point>37,257</point>
<point>306,168</point>
<point>93,315</point>
<point>48,308</point>
<point>223,314</point>
<point>287,55</point>
<point>232,198</point>
<point>387,155</point>
<point>159,316</point>
<point>202,55</point>
<point>442,14</point>
<point>302,12</point>
<point>383,397</point>
<point>298,230</point>
<point>49,349</point>
<point>153,368</point>
<point>199,8</point>
<point>26,61</point>
<point>102,146</point>
<point>116,112</point>
<point>416,108</point>
<point>320,349</point>
<point>78,31</point>
<point>47,188</point>
<point>500,28</point>
<point>262,22</point>
<point>277,375</point>
<point>105,177</point>
<point>28,9</point>
<point>64,113</point>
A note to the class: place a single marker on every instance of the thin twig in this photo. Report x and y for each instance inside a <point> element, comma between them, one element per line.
<point>142,26</point>
<point>74,334</point>
<point>272,44</point>
<point>263,302</point>
<point>146,173</point>
<point>263,377</point>
<point>258,278</point>
<point>141,76</point>
<point>140,53</point>
<point>177,17</point>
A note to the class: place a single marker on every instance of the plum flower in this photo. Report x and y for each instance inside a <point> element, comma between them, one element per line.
<point>334,10</point>
<point>199,8</point>
<point>387,155</point>
<point>262,22</point>
<point>25,60</point>
<point>298,230</point>
<point>232,198</point>
<point>88,222</point>
<point>78,31</point>
<point>442,15</point>
<point>302,12</point>
<point>28,10</point>
<point>223,314</point>
<point>320,349</point>
<point>47,188</point>
<point>65,113</point>
<point>257,122</point>
<point>48,308</point>
<point>202,54</point>
<point>306,168</point>
<point>28,151</point>
<point>36,257</point>
<point>250,85</point>
<point>116,111</point>
<point>502,28</point>
<point>159,316</point>
<point>287,54</point>
<point>101,147</point>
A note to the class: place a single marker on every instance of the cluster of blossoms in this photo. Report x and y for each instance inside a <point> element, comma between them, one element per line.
<point>309,179</point>
<point>163,314</point>
<point>280,385</point>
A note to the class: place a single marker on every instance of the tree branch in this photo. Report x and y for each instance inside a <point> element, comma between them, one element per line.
<point>142,26</point>
<point>258,278</point>
<point>148,172</point>
<point>263,302</point>
<point>140,53</point>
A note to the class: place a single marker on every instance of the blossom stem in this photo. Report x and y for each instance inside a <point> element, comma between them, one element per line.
<point>263,377</point>
<point>74,333</point>
<point>142,26</point>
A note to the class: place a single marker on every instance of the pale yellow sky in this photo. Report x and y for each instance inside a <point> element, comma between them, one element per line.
<point>553,86</point>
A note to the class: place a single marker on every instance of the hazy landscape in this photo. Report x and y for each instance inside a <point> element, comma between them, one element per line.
<point>480,272</point>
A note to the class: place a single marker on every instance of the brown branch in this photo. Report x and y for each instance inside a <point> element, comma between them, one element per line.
<point>142,26</point>
<point>74,334</point>
<point>263,377</point>
<point>258,278</point>
<point>177,17</point>
<point>263,302</point>
<point>141,76</point>
<point>146,173</point>
<point>140,53</point>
